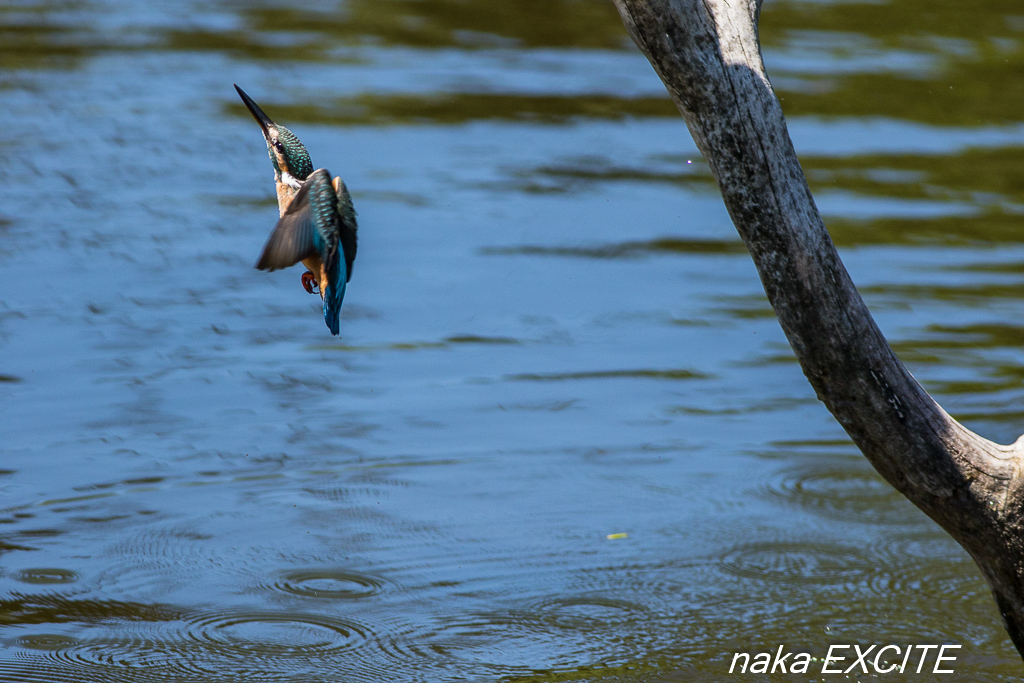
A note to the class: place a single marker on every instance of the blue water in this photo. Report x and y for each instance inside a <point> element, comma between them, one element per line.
<point>552,338</point>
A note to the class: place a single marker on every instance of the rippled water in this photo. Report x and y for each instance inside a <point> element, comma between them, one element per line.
<point>561,436</point>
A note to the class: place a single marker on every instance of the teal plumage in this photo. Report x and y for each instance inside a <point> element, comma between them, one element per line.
<point>318,221</point>
<point>294,151</point>
<point>319,224</point>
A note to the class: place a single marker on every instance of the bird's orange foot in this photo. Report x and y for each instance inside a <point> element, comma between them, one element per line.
<point>309,282</point>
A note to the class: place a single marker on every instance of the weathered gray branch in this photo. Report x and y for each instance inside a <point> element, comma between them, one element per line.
<point>708,55</point>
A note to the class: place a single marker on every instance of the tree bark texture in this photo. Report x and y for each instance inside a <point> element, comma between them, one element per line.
<point>708,55</point>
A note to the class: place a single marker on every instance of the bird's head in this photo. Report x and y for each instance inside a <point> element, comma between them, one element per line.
<point>289,156</point>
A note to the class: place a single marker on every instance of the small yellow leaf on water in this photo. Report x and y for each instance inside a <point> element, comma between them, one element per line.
<point>615,537</point>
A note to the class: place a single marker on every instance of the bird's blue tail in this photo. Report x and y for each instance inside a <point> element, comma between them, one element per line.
<point>333,296</point>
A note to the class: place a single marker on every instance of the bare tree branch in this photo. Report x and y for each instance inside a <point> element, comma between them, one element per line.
<point>708,55</point>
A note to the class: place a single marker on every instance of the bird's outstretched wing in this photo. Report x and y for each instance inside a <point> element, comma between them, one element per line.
<point>294,237</point>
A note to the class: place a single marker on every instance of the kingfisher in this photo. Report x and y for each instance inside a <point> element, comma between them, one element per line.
<point>317,224</point>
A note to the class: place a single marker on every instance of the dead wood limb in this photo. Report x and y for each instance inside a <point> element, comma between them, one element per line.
<point>708,55</point>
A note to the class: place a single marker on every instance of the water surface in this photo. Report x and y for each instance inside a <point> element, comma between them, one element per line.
<point>561,436</point>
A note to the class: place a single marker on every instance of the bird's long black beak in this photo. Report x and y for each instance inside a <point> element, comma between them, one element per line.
<point>265,123</point>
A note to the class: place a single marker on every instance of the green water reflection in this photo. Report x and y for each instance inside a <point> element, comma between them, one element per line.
<point>424,24</point>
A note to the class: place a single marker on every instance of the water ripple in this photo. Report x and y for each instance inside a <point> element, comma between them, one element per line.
<point>335,584</point>
<point>797,562</point>
<point>46,575</point>
<point>266,634</point>
<point>262,645</point>
<point>837,492</point>
<point>582,613</point>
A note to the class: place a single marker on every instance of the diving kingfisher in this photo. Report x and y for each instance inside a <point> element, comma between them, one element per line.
<point>317,219</point>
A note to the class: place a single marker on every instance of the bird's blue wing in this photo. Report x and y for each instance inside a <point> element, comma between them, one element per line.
<point>347,234</point>
<point>294,237</point>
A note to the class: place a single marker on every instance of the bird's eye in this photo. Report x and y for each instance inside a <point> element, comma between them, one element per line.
<point>278,146</point>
